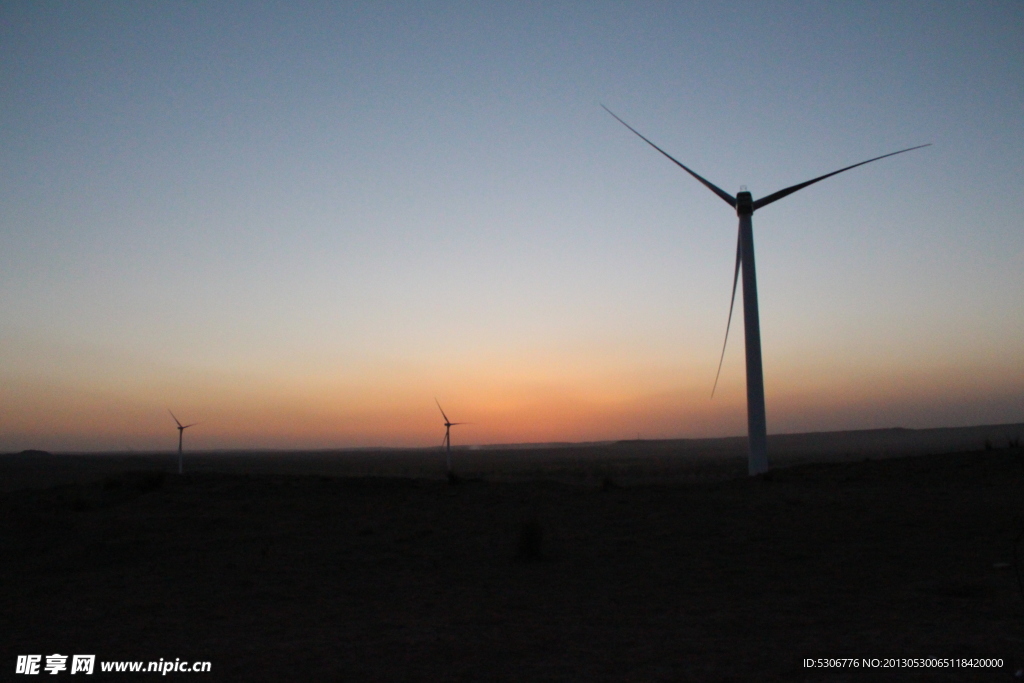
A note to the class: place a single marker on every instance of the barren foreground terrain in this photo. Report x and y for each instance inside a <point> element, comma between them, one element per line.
<point>280,577</point>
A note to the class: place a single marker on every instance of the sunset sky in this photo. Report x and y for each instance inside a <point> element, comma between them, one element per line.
<point>299,223</point>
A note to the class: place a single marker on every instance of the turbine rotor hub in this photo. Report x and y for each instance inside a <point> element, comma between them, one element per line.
<point>744,204</point>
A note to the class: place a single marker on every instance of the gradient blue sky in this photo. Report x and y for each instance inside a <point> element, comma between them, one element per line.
<point>298,223</point>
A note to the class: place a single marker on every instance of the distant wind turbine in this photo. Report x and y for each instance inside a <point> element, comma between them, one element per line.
<point>181,432</point>
<point>447,443</point>
<point>745,205</point>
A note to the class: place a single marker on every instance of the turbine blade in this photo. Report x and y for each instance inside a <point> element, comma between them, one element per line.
<point>441,409</point>
<point>765,201</point>
<point>732,302</point>
<point>172,415</point>
<point>726,197</point>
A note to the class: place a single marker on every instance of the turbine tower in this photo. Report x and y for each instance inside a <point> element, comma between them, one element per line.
<point>447,443</point>
<point>181,433</point>
<point>746,205</point>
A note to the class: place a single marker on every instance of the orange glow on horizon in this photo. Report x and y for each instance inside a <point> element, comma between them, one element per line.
<point>117,404</point>
<point>265,415</point>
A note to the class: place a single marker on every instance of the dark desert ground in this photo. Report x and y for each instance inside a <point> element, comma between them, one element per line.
<point>626,561</point>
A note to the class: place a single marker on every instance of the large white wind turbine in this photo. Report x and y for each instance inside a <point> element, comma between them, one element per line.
<point>447,443</point>
<point>181,433</point>
<point>745,205</point>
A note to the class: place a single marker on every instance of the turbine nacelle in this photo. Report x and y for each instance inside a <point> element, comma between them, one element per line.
<point>181,427</point>
<point>744,204</point>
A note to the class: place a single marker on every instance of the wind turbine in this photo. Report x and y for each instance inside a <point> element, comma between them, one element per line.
<point>181,433</point>
<point>447,443</point>
<point>745,205</point>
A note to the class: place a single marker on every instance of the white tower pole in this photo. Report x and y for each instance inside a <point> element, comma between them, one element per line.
<point>757,426</point>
